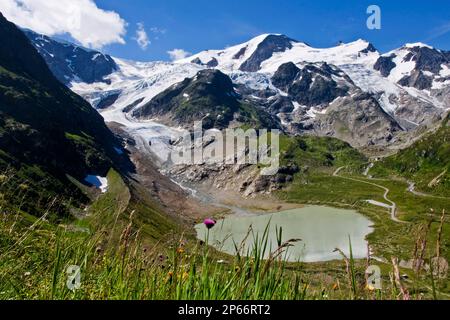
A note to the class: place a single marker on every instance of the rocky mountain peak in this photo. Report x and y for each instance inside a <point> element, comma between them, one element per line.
<point>421,65</point>
<point>427,58</point>
<point>70,62</point>
<point>271,44</point>
<point>313,84</point>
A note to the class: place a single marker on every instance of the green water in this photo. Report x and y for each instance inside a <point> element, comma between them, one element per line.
<point>322,229</point>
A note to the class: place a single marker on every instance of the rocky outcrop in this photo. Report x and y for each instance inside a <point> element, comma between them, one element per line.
<point>385,65</point>
<point>313,84</point>
<point>270,45</point>
<point>212,63</point>
<point>359,120</point>
<point>417,79</point>
<point>285,75</point>
<point>428,65</point>
<point>370,48</point>
<point>427,59</point>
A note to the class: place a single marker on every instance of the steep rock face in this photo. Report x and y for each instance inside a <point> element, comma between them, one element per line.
<point>270,45</point>
<point>417,79</point>
<point>412,112</point>
<point>313,84</point>
<point>427,59</point>
<point>209,96</point>
<point>359,120</point>
<point>385,65</point>
<point>69,62</point>
<point>285,76</point>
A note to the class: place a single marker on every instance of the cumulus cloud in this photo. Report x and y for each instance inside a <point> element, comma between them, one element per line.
<point>81,19</point>
<point>141,36</point>
<point>177,54</point>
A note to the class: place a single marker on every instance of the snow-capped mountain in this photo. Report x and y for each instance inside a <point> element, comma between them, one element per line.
<point>361,62</point>
<point>349,91</point>
<point>267,52</point>
<point>72,63</point>
<point>419,66</point>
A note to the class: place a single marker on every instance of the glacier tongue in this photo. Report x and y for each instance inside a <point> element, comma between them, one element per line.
<point>138,81</point>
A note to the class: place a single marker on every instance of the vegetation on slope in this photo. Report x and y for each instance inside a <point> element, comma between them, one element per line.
<point>46,131</point>
<point>426,162</point>
<point>319,153</point>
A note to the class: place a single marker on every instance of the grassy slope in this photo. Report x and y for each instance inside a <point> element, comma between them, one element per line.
<point>36,251</point>
<point>422,162</point>
<point>46,131</point>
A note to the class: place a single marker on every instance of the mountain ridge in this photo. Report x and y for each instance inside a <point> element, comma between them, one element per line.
<point>252,66</point>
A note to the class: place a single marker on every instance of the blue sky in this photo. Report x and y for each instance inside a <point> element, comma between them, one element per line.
<point>197,25</point>
<point>213,24</point>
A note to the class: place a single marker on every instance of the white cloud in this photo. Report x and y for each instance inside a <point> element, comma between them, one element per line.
<point>177,54</point>
<point>81,19</point>
<point>141,36</point>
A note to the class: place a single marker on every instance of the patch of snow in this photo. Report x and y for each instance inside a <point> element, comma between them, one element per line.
<point>252,80</point>
<point>445,71</point>
<point>301,52</point>
<point>98,182</point>
<point>418,44</point>
<point>403,68</point>
<point>296,106</point>
<point>282,119</point>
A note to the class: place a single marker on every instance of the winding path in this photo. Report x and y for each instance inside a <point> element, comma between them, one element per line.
<point>412,189</point>
<point>392,207</point>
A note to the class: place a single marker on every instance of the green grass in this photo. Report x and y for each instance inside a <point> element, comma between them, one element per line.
<point>323,188</point>
<point>319,152</point>
<point>425,160</point>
